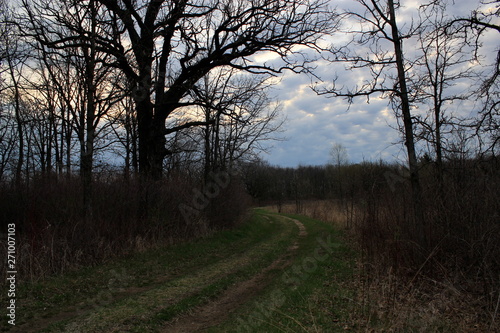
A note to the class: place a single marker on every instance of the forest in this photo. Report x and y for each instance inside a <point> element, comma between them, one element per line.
<point>128,125</point>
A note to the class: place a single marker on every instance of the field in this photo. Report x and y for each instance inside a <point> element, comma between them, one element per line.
<point>273,273</point>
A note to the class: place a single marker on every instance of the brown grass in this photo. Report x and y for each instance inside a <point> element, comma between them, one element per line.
<point>324,210</point>
<point>397,292</point>
<point>53,235</point>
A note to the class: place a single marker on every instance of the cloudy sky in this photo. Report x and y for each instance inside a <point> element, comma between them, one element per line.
<point>314,123</point>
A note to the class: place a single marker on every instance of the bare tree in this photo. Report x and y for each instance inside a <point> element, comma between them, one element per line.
<point>339,159</point>
<point>338,155</point>
<point>472,29</point>
<point>125,130</point>
<point>66,34</point>
<point>165,47</point>
<point>58,88</point>
<point>382,39</point>
<point>14,57</point>
<point>444,63</point>
<point>7,141</point>
<point>238,114</point>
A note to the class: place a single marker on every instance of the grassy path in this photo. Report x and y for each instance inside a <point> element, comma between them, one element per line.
<point>272,274</point>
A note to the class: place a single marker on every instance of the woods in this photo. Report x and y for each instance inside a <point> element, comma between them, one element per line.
<point>115,113</point>
<point>152,54</point>
<point>119,118</point>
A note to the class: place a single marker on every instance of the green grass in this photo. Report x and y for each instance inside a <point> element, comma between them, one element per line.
<point>102,291</point>
<point>142,292</point>
<point>81,288</point>
<point>259,258</point>
<point>299,299</point>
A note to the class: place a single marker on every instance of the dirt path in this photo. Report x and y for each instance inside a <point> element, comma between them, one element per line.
<point>191,300</point>
<point>217,311</point>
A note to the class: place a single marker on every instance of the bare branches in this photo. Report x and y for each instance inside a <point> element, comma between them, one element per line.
<point>376,51</point>
<point>180,42</point>
<point>164,48</point>
<point>239,116</point>
<point>472,30</point>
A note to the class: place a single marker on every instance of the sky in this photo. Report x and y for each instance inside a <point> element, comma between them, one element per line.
<point>314,123</point>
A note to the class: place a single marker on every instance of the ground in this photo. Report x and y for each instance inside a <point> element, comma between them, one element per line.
<point>271,274</point>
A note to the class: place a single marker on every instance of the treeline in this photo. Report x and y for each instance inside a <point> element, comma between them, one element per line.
<point>54,234</point>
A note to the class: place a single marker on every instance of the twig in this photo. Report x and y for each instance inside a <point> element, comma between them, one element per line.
<point>495,313</point>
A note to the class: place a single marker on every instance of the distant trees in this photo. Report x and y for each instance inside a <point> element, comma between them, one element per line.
<point>463,228</point>
<point>338,155</point>
<point>338,160</point>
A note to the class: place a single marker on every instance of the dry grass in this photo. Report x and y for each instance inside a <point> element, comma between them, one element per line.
<point>324,210</point>
<point>397,299</point>
<point>53,234</point>
<point>440,272</point>
<point>385,302</point>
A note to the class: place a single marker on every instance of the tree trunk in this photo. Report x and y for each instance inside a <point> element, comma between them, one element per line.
<point>87,155</point>
<point>152,141</point>
<point>208,148</point>
<point>408,127</point>
<point>157,148</point>
<point>144,125</point>
<point>19,122</point>
<point>439,148</point>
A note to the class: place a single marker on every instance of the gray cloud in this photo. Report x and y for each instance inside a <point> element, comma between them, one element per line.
<point>315,123</point>
<point>365,129</point>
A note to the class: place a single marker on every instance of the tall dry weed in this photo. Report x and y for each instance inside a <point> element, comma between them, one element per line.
<point>54,235</point>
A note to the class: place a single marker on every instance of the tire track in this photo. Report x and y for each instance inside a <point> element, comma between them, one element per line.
<point>138,307</point>
<point>217,311</point>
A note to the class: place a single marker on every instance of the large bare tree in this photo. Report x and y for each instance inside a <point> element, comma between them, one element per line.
<point>165,47</point>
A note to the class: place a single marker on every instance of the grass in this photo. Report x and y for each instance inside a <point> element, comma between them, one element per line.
<point>80,288</point>
<point>299,299</point>
<point>144,291</point>
<point>162,276</point>
<point>377,298</point>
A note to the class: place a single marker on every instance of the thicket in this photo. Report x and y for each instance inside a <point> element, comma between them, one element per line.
<point>54,232</point>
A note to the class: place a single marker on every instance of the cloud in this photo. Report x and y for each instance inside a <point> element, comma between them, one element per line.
<point>367,130</point>
<point>315,123</point>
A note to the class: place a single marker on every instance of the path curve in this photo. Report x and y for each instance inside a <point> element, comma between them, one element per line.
<point>217,311</point>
